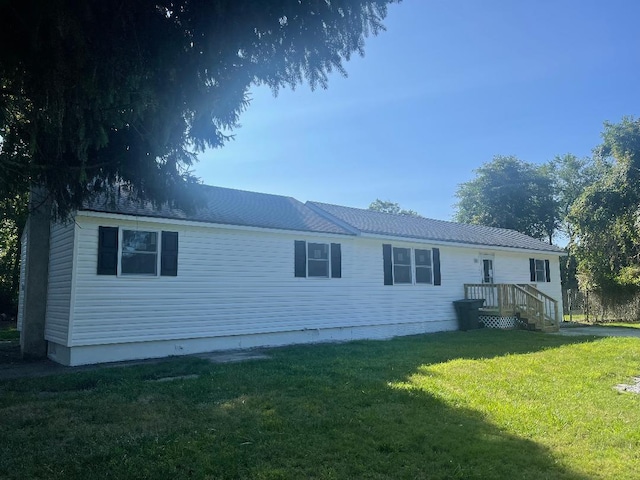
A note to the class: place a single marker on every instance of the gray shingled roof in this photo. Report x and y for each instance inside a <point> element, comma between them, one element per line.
<point>238,207</point>
<point>367,221</point>
<point>231,207</point>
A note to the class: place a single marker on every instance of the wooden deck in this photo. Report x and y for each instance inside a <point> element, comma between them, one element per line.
<point>526,302</point>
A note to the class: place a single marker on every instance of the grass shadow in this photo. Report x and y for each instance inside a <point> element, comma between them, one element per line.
<point>321,411</point>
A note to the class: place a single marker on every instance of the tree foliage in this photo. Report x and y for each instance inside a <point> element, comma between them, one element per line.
<point>571,176</point>
<point>607,215</point>
<point>94,93</point>
<point>593,202</point>
<point>510,193</point>
<point>13,216</point>
<point>386,206</point>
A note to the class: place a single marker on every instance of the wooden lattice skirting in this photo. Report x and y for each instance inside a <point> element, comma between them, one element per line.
<point>493,321</point>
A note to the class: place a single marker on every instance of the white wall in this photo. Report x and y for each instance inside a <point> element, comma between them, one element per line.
<point>514,268</point>
<point>60,281</point>
<point>233,282</point>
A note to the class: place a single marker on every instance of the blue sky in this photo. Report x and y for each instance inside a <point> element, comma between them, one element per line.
<point>449,85</point>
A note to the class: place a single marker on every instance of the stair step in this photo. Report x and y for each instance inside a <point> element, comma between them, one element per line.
<point>550,328</point>
<point>532,326</point>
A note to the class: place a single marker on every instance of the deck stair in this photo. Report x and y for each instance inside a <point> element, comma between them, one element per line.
<point>534,309</point>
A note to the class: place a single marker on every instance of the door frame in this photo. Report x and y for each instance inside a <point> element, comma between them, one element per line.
<point>487,257</point>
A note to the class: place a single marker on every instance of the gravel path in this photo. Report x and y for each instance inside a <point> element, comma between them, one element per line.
<point>573,330</point>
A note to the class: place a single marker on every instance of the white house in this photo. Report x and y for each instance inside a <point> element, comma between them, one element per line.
<point>128,281</point>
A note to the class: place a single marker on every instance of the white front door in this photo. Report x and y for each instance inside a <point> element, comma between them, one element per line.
<point>487,268</point>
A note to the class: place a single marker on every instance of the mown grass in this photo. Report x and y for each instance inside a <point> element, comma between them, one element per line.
<point>10,333</point>
<point>582,318</point>
<point>482,404</point>
<point>576,317</point>
<point>621,324</point>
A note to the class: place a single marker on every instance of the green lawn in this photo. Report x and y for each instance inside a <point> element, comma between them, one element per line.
<point>582,318</point>
<point>576,317</point>
<point>469,405</point>
<point>10,333</point>
<point>621,324</point>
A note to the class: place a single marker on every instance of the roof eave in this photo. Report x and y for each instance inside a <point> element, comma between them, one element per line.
<point>202,223</point>
<point>429,241</point>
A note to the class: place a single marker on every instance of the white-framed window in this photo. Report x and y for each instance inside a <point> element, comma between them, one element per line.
<point>424,266</point>
<point>540,270</point>
<point>318,260</point>
<point>411,266</point>
<point>124,251</point>
<point>402,265</point>
<point>139,254</point>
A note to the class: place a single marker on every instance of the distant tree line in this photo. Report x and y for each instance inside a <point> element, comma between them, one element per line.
<point>387,206</point>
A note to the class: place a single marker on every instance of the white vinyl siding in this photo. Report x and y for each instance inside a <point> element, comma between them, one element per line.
<point>515,268</point>
<point>60,277</point>
<point>222,291</point>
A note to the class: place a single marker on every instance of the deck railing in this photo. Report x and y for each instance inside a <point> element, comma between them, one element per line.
<point>507,299</point>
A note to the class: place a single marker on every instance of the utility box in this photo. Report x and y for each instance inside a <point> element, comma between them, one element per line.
<point>467,311</point>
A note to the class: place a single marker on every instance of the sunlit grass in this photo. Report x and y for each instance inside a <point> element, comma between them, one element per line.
<point>482,404</point>
<point>576,317</point>
<point>562,399</point>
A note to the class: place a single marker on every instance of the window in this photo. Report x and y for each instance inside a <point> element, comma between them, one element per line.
<point>399,262</point>
<point>540,275</point>
<point>321,260</point>
<point>318,259</point>
<point>401,265</point>
<point>539,269</point>
<point>423,266</point>
<point>137,252</point>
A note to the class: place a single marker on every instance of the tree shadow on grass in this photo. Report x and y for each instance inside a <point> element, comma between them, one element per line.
<point>379,431</point>
<point>323,411</point>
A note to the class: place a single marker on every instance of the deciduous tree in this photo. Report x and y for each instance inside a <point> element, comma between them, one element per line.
<point>510,193</point>
<point>386,206</point>
<point>607,215</point>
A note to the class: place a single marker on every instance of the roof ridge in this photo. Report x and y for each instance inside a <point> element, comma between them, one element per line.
<point>420,217</point>
<point>217,187</point>
<point>382,223</point>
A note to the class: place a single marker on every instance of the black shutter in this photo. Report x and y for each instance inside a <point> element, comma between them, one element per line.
<point>547,270</point>
<point>300,258</point>
<point>437,279</point>
<point>336,261</point>
<point>169,254</point>
<point>387,267</point>
<point>532,269</point>
<point>107,250</point>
